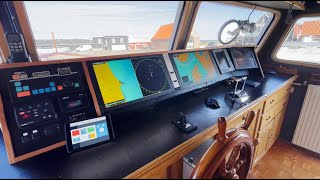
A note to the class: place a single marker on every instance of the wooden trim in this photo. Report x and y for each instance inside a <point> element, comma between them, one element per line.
<point>93,93</point>
<point>282,39</point>
<point>4,49</point>
<point>178,152</point>
<point>88,59</point>
<point>8,143</point>
<point>175,170</point>
<point>181,25</point>
<point>6,134</point>
<point>297,4</point>
<point>26,29</point>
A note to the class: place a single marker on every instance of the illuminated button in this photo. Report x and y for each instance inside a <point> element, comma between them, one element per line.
<point>76,84</point>
<point>47,90</point>
<point>41,91</point>
<point>35,91</point>
<point>60,88</point>
<point>52,84</point>
<point>22,113</point>
<point>15,76</point>
<point>53,88</point>
<point>17,83</point>
<point>23,94</point>
<point>26,88</point>
<point>18,89</point>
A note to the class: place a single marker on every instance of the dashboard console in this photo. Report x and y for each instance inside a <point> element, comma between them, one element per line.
<point>39,98</point>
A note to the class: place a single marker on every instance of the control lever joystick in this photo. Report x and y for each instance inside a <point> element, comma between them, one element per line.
<point>182,119</point>
<point>182,123</point>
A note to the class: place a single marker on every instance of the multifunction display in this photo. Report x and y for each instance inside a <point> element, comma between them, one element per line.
<point>194,67</point>
<point>124,80</point>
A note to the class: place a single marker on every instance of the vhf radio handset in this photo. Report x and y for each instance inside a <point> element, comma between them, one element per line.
<point>17,47</point>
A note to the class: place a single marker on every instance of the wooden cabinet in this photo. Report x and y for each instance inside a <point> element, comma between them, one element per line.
<point>270,123</point>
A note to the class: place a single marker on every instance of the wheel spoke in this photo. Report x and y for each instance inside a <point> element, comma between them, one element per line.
<point>222,168</point>
<point>233,157</point>
<point>242,159</point>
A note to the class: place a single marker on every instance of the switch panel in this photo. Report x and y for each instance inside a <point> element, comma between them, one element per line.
<point>30,113</point>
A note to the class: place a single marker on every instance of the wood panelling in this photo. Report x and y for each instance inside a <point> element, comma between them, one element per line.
<point>6,134</point>
<point>4,50</point>
<point>175,170</point>
<point>285,161</point>
<point>93,93</point>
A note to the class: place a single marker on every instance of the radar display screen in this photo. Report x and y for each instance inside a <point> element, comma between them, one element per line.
<point>243,58</point>
<point>194,67</point>
<point>223,60</point>
<point>151,75</point>
<point>125,80</point>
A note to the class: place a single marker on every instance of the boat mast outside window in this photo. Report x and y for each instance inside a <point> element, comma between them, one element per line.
<point>212,15</point>
<point>67,30</point>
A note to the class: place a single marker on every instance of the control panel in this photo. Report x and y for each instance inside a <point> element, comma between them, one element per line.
<point>39,100</point>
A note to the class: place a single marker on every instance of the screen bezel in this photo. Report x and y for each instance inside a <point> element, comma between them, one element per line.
<point>68,135</point>
<point>252,54</point>
<point>96,88</point>
<point>183,85</point>
<point>226,54</point>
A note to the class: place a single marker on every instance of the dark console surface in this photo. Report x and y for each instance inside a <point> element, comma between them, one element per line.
<point>39,100</point>
<point>142,135</point>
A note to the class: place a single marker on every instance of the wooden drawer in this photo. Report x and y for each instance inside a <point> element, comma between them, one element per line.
<point>276,127</point>
<point>275,98</point>
<point>272,113</point>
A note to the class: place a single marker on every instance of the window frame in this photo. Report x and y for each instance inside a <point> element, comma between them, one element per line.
<point>22,16</point>
<point>266,34</point>
<point>283,38</point>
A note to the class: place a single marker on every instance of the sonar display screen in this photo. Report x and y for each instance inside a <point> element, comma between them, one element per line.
<point>194,67</point>
<point>125,80</point>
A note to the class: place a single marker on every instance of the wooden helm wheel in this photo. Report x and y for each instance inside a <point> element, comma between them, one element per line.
<point>230,156</point>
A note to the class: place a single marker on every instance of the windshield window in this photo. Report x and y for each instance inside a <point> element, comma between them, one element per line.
<point>211,16</point>
<point>64,30</point>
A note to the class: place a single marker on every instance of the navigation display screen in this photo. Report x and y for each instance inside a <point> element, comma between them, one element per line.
<point>223,60</point>
<point>194,67</point>
<point>243,58</point>
<point>125,80</point>
<point>86,133</point>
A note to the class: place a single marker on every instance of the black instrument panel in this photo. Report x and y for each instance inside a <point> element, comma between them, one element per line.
<point>39,100</point>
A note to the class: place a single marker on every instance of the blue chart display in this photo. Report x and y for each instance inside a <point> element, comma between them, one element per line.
<point>194,67</point>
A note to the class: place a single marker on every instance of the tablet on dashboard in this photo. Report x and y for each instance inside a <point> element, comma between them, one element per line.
<point>87,133</point>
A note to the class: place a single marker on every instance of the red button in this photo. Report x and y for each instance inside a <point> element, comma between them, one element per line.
<point>15,76</point>
<point>25,116</point>
<point>60,87</point>
<point>23,94</point>
<point>76,133</point>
